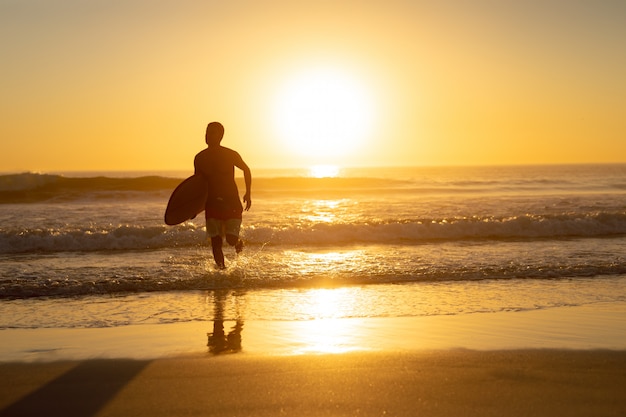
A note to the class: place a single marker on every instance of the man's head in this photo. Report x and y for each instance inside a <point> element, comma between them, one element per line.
<point>214,133</point>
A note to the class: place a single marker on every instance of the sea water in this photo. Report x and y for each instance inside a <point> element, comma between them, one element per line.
<point>91,250</point>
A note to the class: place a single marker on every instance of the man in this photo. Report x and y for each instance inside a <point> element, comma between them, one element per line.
<point>223,208</point>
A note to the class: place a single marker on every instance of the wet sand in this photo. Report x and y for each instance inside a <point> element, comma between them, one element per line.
<point>562,361</point>
<point>591,327</point>
<point>425,383</point>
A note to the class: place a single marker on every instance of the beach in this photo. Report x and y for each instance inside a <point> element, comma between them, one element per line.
<point>564,361</point>
<point>414,291</point>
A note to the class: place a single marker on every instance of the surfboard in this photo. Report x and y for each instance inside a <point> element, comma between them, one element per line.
<point>187,200</point>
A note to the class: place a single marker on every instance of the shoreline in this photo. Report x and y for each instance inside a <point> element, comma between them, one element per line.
<point>587,327</point>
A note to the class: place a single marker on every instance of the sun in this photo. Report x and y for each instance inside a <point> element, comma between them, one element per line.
<point>323,114</point>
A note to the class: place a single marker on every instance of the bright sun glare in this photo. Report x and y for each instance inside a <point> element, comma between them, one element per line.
<point>323,171</point>
<point>323,113</point>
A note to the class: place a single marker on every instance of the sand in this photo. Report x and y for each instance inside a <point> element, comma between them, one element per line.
<point>426,383</point>
<point>561,361</point>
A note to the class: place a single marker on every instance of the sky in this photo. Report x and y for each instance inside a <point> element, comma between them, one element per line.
<point>131,84</point>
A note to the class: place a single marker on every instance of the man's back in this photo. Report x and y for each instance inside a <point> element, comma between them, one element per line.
<point>217,165</point>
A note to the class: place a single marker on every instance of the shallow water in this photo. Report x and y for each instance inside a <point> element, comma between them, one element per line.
<point>303,304</point>
<point>395,242</point>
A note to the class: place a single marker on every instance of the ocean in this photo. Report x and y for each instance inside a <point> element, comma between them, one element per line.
<point>91,250</point>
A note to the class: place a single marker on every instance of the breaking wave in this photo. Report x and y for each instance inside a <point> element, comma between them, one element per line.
<point>130,237</point>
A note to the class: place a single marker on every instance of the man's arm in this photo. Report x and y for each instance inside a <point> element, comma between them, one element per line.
<point>247,176</point>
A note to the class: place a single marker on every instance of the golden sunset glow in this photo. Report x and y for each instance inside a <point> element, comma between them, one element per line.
<point>323,114</point>
<point>131,85</point>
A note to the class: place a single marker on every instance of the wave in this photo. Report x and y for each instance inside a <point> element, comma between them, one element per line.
<point>408,231</point>
<point>35,188</point>
<point>32,188</point>
<point>454,229</point>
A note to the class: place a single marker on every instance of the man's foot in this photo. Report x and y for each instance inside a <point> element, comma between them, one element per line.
<point>239,246</point>
<point>220,266</point>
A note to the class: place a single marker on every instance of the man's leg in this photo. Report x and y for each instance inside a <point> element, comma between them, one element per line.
<point>232,234</point>
<point>218,255</point>
<point>235,241</point>
<point>214,232</point>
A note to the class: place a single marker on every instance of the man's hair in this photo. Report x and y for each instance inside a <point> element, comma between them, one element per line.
<point>214,132</point>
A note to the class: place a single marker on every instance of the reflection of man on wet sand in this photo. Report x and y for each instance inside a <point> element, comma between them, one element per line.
<point>219,341</point>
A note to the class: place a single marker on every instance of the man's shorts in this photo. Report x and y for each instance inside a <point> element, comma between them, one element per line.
<point>217,227</point>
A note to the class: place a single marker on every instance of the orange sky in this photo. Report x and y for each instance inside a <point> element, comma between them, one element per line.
<point>130,85</point>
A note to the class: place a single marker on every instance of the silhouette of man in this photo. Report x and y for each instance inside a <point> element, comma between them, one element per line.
<point>223,208</point>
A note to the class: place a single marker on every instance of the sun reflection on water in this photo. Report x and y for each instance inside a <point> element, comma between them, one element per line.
<point>328,331</point>
<point>330,263</point>
<point>328,336</point>
<point>322,211</point>
<point>324,171</point>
